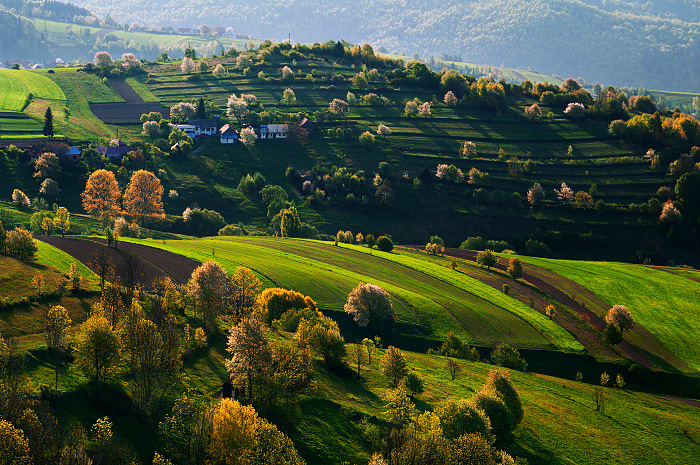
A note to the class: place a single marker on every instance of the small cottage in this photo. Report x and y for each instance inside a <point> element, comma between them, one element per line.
<point>203,127</point>
<point>117,149</point>
<point>307,126</point>
<point>228,135</point>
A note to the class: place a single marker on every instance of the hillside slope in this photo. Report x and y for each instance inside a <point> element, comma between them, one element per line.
<point>654,44</point>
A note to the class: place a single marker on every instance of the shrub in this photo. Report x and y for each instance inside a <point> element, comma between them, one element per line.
<point>509,357</point>
<point>370,240</point>
<point>473,243</point>
<point>231,230</point>
<point>290,320</point>
<point>498,414</point>
<point>19,243</point>
<point>384,244</point>
<point>123,228</point>
<point>459,417</point>
<point>367,139</point>
<point>499,383</point>
<point>324,338</point>
<point>454,346</point>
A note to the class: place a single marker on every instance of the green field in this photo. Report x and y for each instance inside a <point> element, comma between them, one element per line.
<point>430,300</point>
<point>16,85</point>
<point>664,303</point>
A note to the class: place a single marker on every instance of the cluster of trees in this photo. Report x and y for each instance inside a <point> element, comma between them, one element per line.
<point>104,65</point>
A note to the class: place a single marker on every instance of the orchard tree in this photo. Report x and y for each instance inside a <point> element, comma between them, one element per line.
<point>288,97</point>
<point>450,99</point>
<point>468,150</point>
<point>49,188</point>
<point>151,128</point>
<point>424,109</point>
<point>359,356</point>
<point>236,107</point>
<point>339,108</point>
<point>535,194</point>
<point>219,71</point>
<point>248,136</point>
<point>101,196</point>
<point>183,111</point>
<point>371,305</point>
<point>243,290</point>
<point>383,130</point>
<point>208,285</point>
<point>619,316</point>
<point>460,417</point>
<point>575,110</point>
<point>411,108</point>
<point>187,65</point>
<point>243,61</point>
<point>47,165</point>
<point>20,199</point>
<point>250,349</point>
<point>449,173</point>
<point>394,365</point>
<point>143,197</point>
<point>103,60</point>
<point>533,113</point>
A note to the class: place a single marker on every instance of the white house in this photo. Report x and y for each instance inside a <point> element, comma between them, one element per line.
<point>203,127</point>
<point>228,135</point>
<point>187,31</point>
<point>188,129</point>
<point>273,131</point>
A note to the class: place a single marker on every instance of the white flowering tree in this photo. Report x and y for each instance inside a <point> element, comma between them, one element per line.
<point>449,173</point>
<point>575,110</point>
<point>450,99</point>
<point>129,62</point>
<point>20,199</point>
<point>248,136</point>
<point>670,214</point>
<point>243,62</point>
<point>187,65</point>
<point>183,111</point>
<point>533,113</point>
<point>411,108</point>
<point>236,107</point>
<point>103,60</point>
<point>219,71</point>
<point>370,305</point>
<point>383,130</point>
<point>250,99</point>
<point>424,109</point>
<point>339,107</point>
<point>564,193</point>
<point>535,194</point>
<point>151,128</point>
<point>287,74</point>
<point>468,150</point>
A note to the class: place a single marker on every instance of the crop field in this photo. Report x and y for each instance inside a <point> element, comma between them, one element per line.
<point>663,303</point>
<point>16,85</point>
<point>15,128</point>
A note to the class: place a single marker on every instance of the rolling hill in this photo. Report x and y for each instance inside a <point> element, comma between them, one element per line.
<point>619,43</point>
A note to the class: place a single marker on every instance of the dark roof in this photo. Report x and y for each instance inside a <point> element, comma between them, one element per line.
<point>73,151</point>
<point>113,151</point>
<point>305,123</point>
<point>118,143</point>
<point>204,123</point>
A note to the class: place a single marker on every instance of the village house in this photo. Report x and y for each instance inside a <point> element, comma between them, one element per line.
<point>198,127</point>
<point>187,31</point>
<point>117,149</point>
<point>307,126</point>
<point>73,153</point>
<point>228,135</point>
<point>273,131</point>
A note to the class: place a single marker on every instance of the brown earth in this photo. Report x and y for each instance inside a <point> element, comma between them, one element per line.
<point>157,263</point>
<point>128,112</point>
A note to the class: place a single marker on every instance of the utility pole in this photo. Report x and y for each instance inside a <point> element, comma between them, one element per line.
<point>289,35</point>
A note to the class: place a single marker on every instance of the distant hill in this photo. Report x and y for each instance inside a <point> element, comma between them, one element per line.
<point>654,43</point>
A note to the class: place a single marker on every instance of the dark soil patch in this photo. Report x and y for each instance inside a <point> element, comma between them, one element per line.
<point>126,113</point>
<point>13,115</point>
<point>157,263</point>
<point>125,91</point>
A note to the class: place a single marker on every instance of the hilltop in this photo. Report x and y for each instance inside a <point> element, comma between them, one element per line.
<point>619,43</point>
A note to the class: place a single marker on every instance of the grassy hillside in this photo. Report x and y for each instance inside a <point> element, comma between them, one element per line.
<point>16,87</point>
<point>664,303</point>
<point>430,300</point>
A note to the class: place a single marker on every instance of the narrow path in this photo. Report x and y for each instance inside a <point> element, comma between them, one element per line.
<point>596,321</point>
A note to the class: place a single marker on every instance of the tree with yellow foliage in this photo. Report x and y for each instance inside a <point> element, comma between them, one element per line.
<point>143,197</point>
<point>101,195</point>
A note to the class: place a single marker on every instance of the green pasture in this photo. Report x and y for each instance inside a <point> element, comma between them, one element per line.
<point>560,426</point>
<point>430,300</point>
<point>15,128</point>
<point>55,27</point>
<point>663,303</point>
<point>142,89</point>
<point>16,85</point>
<point>51,256</point>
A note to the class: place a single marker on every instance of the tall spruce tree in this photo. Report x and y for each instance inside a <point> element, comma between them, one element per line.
<point>48,122</point>
<point>201,110</point>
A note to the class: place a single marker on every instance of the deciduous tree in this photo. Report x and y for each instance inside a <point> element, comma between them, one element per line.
<point>47,165</point>
<point>208,285</point>
<point>394,365</point>
<point>243,290</point>
<point>515,268</point>
<point>101,195</point>
<point>236,107</point>
<point>251,354</point>
<point>143,197</point>
<point>371,305</point>
<point>98,347</point>
<point>619,316</point>
<point>62,220</point>
<point>486,258</point>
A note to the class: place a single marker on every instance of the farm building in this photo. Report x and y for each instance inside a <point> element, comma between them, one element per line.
<point>72,153</point>
<point>117,149</point>
<point>273,131</point>
<point>203,127</point>
<point>188,129</point>
<point>188,31</point>
<point>228,135</point>
<point>307,125</point>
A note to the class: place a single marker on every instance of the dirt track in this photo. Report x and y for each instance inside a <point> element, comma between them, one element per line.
<point>157,263</point>
<point>125,91</point>
<point>596,321</point>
